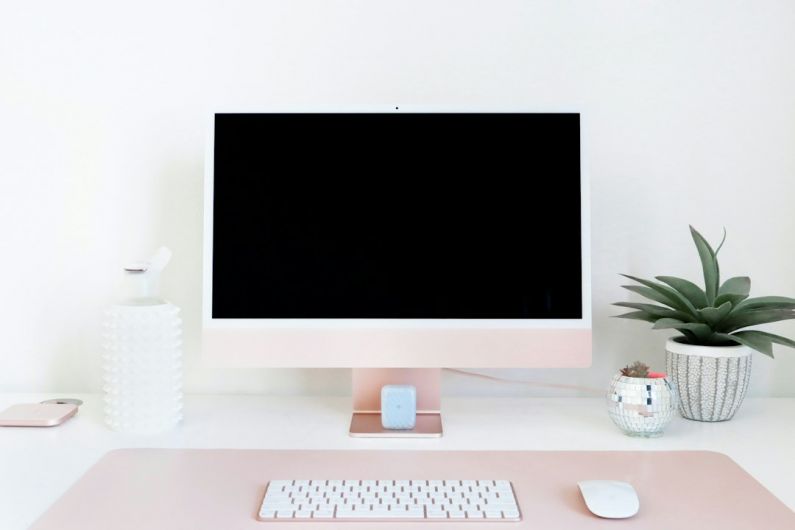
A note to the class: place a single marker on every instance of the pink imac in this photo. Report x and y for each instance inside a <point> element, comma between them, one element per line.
<point>396,242</point>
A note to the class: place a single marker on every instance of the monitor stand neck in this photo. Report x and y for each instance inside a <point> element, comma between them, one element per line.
<point>367,383</point>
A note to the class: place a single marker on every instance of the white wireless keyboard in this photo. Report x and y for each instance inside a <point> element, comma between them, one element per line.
<point>389,500</point>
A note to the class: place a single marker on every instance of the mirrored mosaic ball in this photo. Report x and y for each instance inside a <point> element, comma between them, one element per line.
<point>641,406</point>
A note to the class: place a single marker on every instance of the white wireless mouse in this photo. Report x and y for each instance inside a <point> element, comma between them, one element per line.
<point>610,499</point>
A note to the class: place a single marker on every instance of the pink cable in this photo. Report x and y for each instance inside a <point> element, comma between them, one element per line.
<point>601,392</point>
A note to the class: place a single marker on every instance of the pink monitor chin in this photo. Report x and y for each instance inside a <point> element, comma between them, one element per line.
<point>308,347</point>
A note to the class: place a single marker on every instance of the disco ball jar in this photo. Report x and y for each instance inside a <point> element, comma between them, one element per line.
<point>641,406</point>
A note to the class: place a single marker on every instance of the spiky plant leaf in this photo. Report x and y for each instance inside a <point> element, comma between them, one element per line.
<point>655,310</point>
<point>743,319</point>
<point>766,302</point>
<point>750,339</point>
<point>709,265</point>
<point>761,341</point>
<point>651,294</point>
<point>673,297</point>
<point>688,289</point>
<point>722,241</point>
<point>739,285</point>
<point>734,299</point>
<point>701,331</point>
<point>672,323</point>
<point>689,335</point>
<point>778,339</point>
<point>639,315</point>
<point>714,315</point>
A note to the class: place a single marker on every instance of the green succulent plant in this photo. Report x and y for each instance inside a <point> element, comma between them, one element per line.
<point>714,316</point>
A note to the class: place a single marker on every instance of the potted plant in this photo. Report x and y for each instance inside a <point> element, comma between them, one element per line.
<point>710,362</point>
<point>640,402</point>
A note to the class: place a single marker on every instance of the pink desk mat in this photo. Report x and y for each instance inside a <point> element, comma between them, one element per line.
<point>221,489</point>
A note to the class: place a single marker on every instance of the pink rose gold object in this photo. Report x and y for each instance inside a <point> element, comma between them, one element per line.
<point>201,489</point>
<point>397,348</point>
<point>37,414</point>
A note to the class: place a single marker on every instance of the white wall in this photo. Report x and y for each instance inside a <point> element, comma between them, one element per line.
<point>103,108</point>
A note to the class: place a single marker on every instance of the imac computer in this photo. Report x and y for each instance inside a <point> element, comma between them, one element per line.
<point>396,242</point>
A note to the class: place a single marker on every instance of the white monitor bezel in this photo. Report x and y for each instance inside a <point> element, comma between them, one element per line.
<point>209,322</point>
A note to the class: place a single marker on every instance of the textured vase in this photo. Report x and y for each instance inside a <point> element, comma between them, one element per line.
<point>143,368</point>
<point>711,380</point>
<point>641,406</point>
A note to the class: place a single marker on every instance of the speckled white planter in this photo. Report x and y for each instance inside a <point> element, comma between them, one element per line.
<point>711,380</point>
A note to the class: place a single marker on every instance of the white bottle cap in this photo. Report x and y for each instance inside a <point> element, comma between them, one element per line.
<point>143,278</point>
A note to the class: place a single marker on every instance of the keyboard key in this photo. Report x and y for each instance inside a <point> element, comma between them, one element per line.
<point>412,513</point>
<point>354,514</point>
<point>281,506</point>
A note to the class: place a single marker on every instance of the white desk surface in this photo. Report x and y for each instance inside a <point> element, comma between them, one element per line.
<point>38,464</point>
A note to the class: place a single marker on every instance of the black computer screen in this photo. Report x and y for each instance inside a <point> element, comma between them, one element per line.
<point>398,216</point>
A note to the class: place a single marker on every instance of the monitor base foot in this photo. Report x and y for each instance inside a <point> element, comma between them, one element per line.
<point>368,425</point>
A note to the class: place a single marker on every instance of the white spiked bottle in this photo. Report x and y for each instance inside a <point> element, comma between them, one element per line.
<point>143,354</point>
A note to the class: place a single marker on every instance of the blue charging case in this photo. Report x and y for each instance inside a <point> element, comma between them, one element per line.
<point>398,407</point>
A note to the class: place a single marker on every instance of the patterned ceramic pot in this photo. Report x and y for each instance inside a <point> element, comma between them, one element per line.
<point>641,406</point>
<point>711,380</point>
